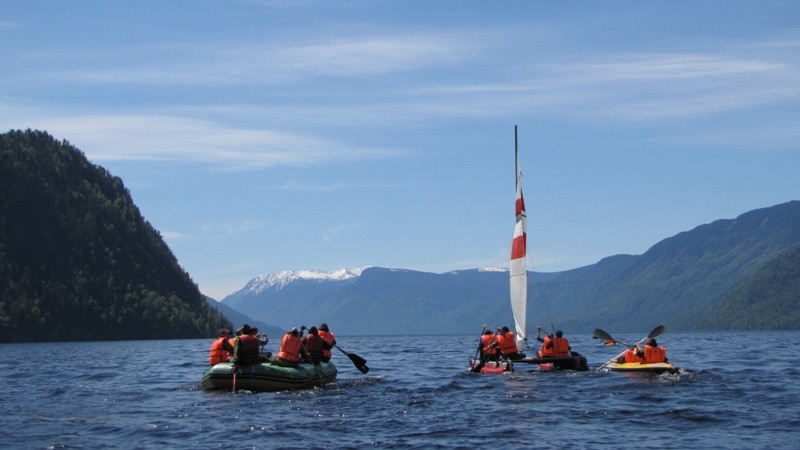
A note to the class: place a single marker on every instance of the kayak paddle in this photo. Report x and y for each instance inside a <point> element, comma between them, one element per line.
<point>359,362</point>
<point>656,332</point>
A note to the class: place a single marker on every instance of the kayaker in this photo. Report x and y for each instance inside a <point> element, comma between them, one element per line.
<point>632,355</point>
<point>246,348</point>
<point>290,351</point>
<point>315,345</point>
<point>221,348</point>
<point>650,354</point>
<point>561,348</point>
<point>653,353</point>
<point>326,334</point>
<point>547,350</point>
<point>488,351</point>
<point>508,345</point>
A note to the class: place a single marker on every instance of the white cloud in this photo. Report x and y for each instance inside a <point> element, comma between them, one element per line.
<point>227,229</point>
<point>145,137</point>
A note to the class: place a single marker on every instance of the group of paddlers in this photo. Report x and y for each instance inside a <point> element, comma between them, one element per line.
<point>651,353</point>
<point>502,344</point>
<point>248,345</point>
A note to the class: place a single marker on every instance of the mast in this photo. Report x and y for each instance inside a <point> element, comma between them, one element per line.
<point>518,272</point>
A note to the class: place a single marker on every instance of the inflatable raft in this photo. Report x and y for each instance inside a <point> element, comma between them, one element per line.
<point>266,377</point>
<point>642,367</point>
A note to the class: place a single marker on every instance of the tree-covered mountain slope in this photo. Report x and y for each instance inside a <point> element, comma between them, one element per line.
<point>77,259</point>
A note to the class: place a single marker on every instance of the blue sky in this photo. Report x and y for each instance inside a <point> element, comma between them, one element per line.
<point>260,136</point>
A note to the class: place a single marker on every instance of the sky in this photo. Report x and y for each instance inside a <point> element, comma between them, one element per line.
<point>261,136</point>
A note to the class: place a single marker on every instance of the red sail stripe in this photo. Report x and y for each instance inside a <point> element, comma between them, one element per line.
<point>518,247</point>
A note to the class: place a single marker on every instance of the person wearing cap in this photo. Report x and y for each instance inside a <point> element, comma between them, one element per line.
<point>221,348</point>
<point>327,336</point>
<point>246,348</point>
<point>547,350</point>
<point>561,348</point>
<point>487,351</point>
<point>315,345</point>
<point>291,350</point>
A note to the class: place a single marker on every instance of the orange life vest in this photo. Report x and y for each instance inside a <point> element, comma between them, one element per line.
<point>507,343</point>
<point>232,341</point>
<point>290,348</point>
<point>218,354</point>
<point>654,354</point>
<point>632,357</point>
<point>560,347</point>
<point>328,337</point>
<point>547,352</point>
<point>487,340</point>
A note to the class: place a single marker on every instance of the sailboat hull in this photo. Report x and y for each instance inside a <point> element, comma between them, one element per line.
<point>574,362</point>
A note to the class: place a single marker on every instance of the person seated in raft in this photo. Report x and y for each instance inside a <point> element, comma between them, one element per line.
<point>508,345</point>
<point>488,352</point>
<point>315,345</point>
<point>653,353</point>
<point>561,348</point>
<point>547,350</point>
<point>245,351</point>
<point>221,348</point>
<point>326,334</point>
<point>290,351</point>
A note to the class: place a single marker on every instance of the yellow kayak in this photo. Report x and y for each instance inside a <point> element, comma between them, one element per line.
<point>642,367</point>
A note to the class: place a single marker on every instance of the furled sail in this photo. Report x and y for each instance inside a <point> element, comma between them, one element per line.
<point>518,272</point>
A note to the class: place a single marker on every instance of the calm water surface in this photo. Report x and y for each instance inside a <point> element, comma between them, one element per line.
<point>732,394</point>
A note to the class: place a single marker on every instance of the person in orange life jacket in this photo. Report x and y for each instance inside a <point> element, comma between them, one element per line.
<point>561,348</point>
<point>315,345</point>
<point>245,351</point>
<point>487,351</point>
<point>291,350</point>
<point>326,334</point>
<point>507,344</point>
<point>632,355</point>
<point>547,350</point>
<point>221,349</point>
<point>653,353</point>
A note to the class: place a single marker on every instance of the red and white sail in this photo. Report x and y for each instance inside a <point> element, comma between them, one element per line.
<point>519,274</point>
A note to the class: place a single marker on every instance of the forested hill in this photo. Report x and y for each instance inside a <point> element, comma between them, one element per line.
<point>77,259</point>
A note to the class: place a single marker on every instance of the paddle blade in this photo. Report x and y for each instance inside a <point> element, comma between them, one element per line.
<point>602,335</point>
<point>359,362</point>
<point>657,331</point>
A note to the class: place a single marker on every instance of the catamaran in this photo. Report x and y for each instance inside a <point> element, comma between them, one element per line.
<point>518,276</point>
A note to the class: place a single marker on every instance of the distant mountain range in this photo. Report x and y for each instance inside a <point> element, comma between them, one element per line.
<point>741,273</point>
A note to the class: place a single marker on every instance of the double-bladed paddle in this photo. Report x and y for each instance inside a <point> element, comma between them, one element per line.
<point>603,335</point>
<point>359,362</point>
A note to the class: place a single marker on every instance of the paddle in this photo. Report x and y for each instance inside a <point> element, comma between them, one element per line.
<point>605,337</point>
<point>233,386</point>
<point>656,332</point>
<point>477,367</point>
<point>359,362</point>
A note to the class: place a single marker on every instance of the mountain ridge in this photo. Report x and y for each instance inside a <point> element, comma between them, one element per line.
<point>671,282</point>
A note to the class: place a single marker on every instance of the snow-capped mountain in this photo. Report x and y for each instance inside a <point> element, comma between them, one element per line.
<point>289,298</point>
<point>280,280</point>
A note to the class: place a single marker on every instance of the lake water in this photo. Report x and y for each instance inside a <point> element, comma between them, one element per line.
<point>738,390</point>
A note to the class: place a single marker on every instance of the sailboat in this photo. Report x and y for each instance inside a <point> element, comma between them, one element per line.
<point>518,279</point>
